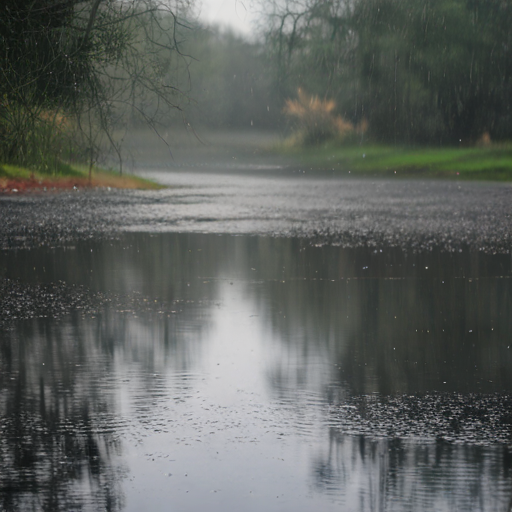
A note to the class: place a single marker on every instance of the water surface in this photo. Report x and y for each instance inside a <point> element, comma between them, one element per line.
<point>254,373</point>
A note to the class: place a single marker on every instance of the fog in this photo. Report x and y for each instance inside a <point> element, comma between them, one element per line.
<point>399,72</point>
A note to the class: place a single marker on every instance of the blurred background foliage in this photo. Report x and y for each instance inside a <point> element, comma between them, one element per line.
<point>419,71</point>
<point>432,72</point>
<point>226,79</point>
<point>73,74</point>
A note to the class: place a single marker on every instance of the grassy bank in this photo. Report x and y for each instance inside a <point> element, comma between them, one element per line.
<point>18,179</point>
<point>493,163</point>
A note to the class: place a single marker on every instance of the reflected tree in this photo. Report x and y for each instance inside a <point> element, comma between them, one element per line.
<point>60,422</point>
<point>51,451</point>
<point>391,322</point>
<point>393,475</point>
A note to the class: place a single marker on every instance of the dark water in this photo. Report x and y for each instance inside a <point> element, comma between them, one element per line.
<point>251,373</point>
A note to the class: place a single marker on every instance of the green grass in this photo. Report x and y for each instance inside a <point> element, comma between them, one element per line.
<point>494,163</point>
<point>17,172</point>
<point>80,174</point>
<point>14,172</point>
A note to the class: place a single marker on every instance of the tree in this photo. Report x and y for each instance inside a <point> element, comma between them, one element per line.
<point>427,71</point>
<point>435,71</point>
<point>80,63</point>
<point>312,45</point>
<point>230,86</point>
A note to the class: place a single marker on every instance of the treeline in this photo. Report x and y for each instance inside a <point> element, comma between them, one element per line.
<point>419,71</point>
<point>411,71</point>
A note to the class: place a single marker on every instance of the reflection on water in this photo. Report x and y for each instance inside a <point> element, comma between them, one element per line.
<point>263,374</point>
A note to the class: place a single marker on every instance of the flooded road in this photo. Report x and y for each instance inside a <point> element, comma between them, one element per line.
<point>256,373</point>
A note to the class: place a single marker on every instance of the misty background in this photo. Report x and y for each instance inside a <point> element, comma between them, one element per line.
<point>77,75</point>
<point>415,72</point>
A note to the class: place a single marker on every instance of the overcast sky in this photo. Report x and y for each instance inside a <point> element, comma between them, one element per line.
<point>237,14</point>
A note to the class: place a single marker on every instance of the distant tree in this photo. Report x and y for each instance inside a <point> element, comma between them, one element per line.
<point>429,71</point>
<point>436,70</point>
<point>228,80</point>
<point>311,44</point>
<point>83,61</point>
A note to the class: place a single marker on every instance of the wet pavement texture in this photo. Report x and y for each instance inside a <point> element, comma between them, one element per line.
<point>350,212</point>
<point>229,183</point>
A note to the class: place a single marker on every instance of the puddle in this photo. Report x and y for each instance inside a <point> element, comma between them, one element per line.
<point>253,373</point>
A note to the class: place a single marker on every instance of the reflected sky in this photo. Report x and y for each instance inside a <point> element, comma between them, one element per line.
<point>264,373</point>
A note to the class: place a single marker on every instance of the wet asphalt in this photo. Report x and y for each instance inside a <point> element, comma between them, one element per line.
<point>256,197</point>
<point>282,202</point>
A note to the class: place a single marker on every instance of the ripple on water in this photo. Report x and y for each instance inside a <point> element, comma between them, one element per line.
<point>475,419</point>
